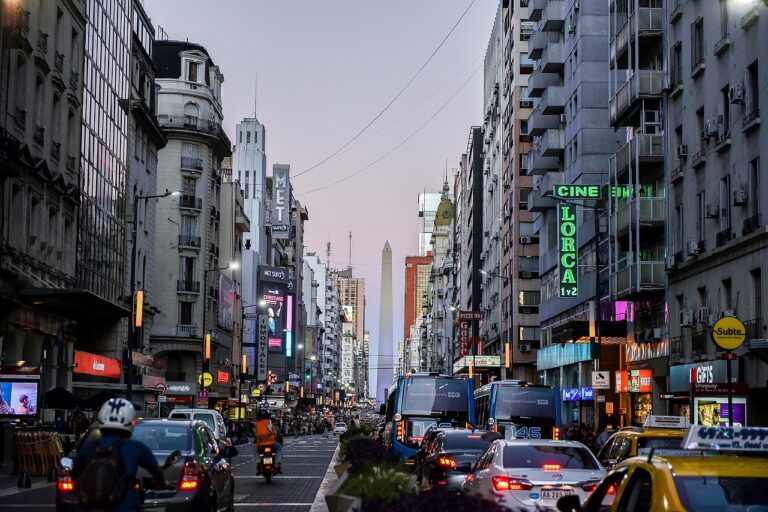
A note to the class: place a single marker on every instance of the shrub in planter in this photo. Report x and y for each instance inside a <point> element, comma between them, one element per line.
<point>378,484</point>
<point>430,501</point>
<point>360,452</point>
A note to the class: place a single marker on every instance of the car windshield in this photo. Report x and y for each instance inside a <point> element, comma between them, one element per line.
<point>341,425</point>
<point>524,401</point>
<point>207,418</point>
<point>435,396</point>
<point>465,442</point>
<point>723,494</point>
<point>161,438</point>
<point>537,456</point>
<point>644,444</point>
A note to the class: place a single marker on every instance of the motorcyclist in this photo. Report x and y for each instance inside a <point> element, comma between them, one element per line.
<point>117,417</point>
<point>267,434</point>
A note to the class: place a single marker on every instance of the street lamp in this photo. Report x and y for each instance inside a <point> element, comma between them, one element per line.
<point>206,339</point>
<point>137,299</point>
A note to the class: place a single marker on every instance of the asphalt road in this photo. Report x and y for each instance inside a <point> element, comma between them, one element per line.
<point>305,462</point>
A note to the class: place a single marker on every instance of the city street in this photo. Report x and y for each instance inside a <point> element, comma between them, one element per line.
<point>305,462</point>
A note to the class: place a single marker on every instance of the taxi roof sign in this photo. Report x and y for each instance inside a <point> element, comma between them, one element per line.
<point>741,439</point>
<point>656,421</point>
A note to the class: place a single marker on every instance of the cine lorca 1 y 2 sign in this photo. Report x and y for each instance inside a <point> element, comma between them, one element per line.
<point>566,216</point>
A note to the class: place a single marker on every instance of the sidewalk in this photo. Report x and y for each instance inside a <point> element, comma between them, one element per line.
<point>9,484</point>
<point>329,481</point>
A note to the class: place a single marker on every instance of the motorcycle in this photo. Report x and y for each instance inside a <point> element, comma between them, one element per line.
<point>267,465</point>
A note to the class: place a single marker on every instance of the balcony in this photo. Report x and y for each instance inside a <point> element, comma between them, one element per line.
<point>551,60</point>
<point>74,80</point>
<point>552,16</point>
<point>637,278</point>
<point>722,45</point>
<point>698,67</point>
<point>20,117</point>
<point>644,84</point>
<point>42,43</point>
<point>539,41</point>
<point>676,10</point>
<point>751,16</point>
<point>188,286</point>
<point>552,101</point>
<point>646,22</point>
<point>642,147</point>
<point>751,224</point>
<point>58,62</point>
<point>646,211</point>
<point>16,26</point>
<point>242,222</point>
<point>552,143</point>
<point>205,127</point>
<point>39,135</point>
<point>678,172</point>
<point>539,81</point>
<point>723,140</point>
<point>190,202</point>
<point>55,150</point>
<point>187,331</point>
<point>189,241</point>
<point>750,121</point>
<point>537,202</point>
<point>539,165</point>
<point>191,163</point>
<point>755,329</point>
<point>723,237</point>
<point>536,9</point>
<point>699,158</point>
<point>539,123</point>
<point>71,163</point>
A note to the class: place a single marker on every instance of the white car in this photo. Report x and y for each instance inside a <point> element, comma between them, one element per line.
<point>524,474</point>
<point>339,428</point>
<point>211,417</point>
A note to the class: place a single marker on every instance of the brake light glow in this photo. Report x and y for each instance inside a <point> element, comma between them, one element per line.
<point>442,482</point>
<point>556,433</point>
<point>504,483</point>
<point>66,484</point>
<point>552,467</point>
<point>446,462</point>
<point>474,437</point>
<point>590,487</point>
<point>611,489</point>
<point>267,450</point>
<point>190,477</point>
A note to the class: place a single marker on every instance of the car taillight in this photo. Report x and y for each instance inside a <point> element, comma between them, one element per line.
<point>66,483</point>
<point>552,468</point>
<point>556,433</point>
<point>446,462</point>
<point>611,489</point>
<point>504,483</point>
<point>190,477</point>
<point>267,450</point>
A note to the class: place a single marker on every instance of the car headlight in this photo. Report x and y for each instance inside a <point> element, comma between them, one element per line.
<point>491,421</point>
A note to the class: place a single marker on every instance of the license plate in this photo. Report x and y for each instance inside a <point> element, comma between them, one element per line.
<point>267,460</point>
<point>555,495</point>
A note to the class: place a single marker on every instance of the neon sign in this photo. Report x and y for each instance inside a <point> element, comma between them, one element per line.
<point>566,217</point>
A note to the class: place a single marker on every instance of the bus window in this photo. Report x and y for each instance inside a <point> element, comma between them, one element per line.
<point>431,396</point>
<point>524,401</point>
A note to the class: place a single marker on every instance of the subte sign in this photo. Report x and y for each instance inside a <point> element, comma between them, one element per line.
<point>566,216</point>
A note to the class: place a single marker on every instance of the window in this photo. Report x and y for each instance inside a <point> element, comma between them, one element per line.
<point>188,225</point>
<point>727,292</point>
<point>700,129</point>
<point>697,43</point>
<point>191,110</point>
<point>188,185</point>
<point>757,293</point>
<point>725,203</point>
<point>523,170</point>
<point>248,137</point>
<point>529,263</point>
<point>752,92</point>
<point>186,269</point>
<point>523,127</point>
<point>724,119</point>
<point>528,298</point>
<point>185,313</point>
<point>723,18</point>
<point>39,100</point>
<point>528,333</point>
<point>638,493</point>
<point>701,207</point>
<point>676,64</point>
<point>753,193</point>
<point>526,229</point>
<point>523,195</point>
<point>679,227</point>
<point>192,71</point>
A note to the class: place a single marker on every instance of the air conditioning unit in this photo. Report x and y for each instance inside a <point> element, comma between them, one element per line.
<point>686,318</point>
<point>526,103</point>
<point>702,315</point>
<point>525,347</point>
<point>739,197</point>
<point>713,211</point>
<point>671,262</point>
<point>526,240</point>
<point>693,247</point>
<point>563,118</point>
<point>682,152</point>
<point>710,128</point>
<point>571,28</point>
<point>736,94</point>
<point>727,312</point>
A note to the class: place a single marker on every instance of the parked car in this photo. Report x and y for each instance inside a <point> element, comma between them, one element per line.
<point>524,474</point>
<point>450,455</point>
<point>339,428</point>
<point>201,478</point>
<point>211,418</point>
<point>658,432</point>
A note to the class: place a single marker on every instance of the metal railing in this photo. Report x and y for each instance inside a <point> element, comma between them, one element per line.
<point>207,126</point>
<point>39,134</point>
<point>184,285</point>
<point>723,237</point>
<point>55,150</point>
<point>750,116</point>
<point>42,43</point>
<point>189,241</point>
<point>751,224</point>
<point>58,61</point>
<point>20,117</point>
<point>189,201</point>
<point>186,330</point>
<point>755,329</point>
<point>191,162</point>
<point>642,84</point>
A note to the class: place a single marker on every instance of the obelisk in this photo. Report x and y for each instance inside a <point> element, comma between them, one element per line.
<point>384,362</point>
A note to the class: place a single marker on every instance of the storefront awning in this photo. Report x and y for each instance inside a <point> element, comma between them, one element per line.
<point>577,331</point>
<point>75,304</point>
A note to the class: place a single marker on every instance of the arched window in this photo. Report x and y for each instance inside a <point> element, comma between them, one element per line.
<point>192,110</point>
<point>56,119</point>
<point>39,100</point>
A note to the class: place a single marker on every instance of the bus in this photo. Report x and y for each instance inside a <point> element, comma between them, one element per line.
<point>519,410</point>
<point>419,401</point>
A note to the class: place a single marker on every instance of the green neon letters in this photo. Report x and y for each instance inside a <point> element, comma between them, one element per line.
<point>566,220</point>
<point>577,191</point>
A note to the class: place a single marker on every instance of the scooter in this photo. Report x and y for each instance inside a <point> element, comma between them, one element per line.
<point>267,466</point>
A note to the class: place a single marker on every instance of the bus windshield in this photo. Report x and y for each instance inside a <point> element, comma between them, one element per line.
<point>524,401</point>
<point>431,396</point>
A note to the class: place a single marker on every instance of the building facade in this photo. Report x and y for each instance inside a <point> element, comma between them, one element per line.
<point>427,210</point>
<point>417,272</point>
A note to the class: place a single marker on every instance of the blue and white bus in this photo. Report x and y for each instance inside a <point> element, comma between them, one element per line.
<point>519,410</point>
<point>420,400</point>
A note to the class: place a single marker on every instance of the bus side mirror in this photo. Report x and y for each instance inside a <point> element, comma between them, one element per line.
<point>382,409</point>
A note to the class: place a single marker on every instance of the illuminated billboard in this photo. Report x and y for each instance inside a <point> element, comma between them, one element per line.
<point>566,228</point>
<point>272,297</point>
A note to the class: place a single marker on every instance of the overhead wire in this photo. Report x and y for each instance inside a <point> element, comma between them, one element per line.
<point>404,141</point>
<point>400,93</point>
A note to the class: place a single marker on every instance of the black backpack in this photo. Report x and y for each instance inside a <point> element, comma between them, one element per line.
<point>104,482</point>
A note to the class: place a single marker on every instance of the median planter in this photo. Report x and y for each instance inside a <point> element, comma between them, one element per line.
<point>338,502</point>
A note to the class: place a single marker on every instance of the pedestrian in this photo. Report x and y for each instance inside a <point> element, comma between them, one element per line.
<point>602,438</point>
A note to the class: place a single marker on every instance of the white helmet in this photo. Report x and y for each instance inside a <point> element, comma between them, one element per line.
<point>117,414</point>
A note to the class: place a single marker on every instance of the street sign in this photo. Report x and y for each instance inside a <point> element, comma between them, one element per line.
<point>262,387</point>
<point>608,407</point>
<point>162,398</point>
<point>470,315</point>
<point>601,380</point>
<point>161,388</point>
<point>601,398</point>
<point>262,350</point>
<point>571,394</point>
<point>256,392</point>
<point>202,395</point>
<point>729,333</point>
<point>272,378</point>
<point>205,379</point>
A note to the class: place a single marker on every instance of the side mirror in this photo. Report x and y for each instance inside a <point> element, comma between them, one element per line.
<point>172,459</point>
<point>66,463</point>
<point>569,503</point>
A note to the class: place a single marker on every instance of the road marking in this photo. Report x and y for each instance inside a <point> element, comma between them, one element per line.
<point>279,477</point>
<point>26,505</point>
<point>273,504</point>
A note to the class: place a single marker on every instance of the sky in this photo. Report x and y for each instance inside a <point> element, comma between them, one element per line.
<point>325,69</point>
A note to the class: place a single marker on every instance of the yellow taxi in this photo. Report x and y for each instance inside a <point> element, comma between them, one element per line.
<point>660,432</point>
<point>721,469</point>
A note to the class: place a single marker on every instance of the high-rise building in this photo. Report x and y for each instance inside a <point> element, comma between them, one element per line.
<point>417,276</point>
<point>520,291</point>
<point>382,360</point>
<point>352,295</point>
<point>717,192</point>
<point>41,93</point>
<point>188,259</point>
<point>428,203</point>
<point>572,147</point>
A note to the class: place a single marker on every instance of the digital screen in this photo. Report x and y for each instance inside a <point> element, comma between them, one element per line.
<point>275,308</point>
<point>18,398</point>
<point>713,412</point>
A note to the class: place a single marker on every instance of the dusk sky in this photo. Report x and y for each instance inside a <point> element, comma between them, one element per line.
<point>325,70</point>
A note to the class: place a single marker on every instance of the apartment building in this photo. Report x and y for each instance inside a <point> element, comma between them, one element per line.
<point>717,237</point>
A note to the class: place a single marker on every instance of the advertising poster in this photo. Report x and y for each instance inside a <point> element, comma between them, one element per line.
<point>18,398</point>
<point>226,302</point>
<point>464,342</point>
<point>281,202</point>
<point>273,283</point>
<point>713,411</point>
